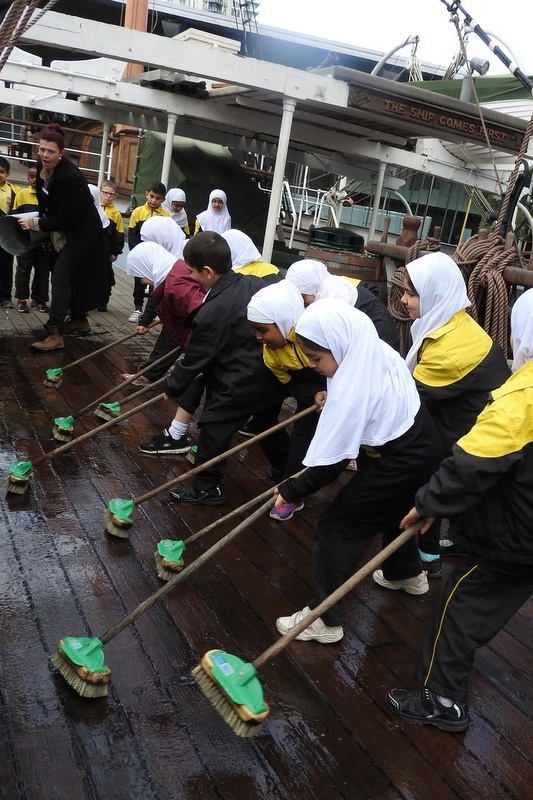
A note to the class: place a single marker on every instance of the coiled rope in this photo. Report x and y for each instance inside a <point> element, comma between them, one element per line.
<point>483,258</point>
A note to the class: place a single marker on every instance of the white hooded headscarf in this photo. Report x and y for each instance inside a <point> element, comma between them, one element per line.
<point>442,291</point>
<point>522,330</point>
<point>163,231</point>
<point>176,196</point>
<point>243,250</point>
<point>372,398</point>
<point>312,277</point>
<point>278,304</point>
<point>218,221</point>
<point>150,260</point>
<point>95,191</point>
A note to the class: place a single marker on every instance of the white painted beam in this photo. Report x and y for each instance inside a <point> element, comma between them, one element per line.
<point>99,39</point>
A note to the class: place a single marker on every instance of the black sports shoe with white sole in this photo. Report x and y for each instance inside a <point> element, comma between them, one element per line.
<point>165,445</point>
<point>424,708</point>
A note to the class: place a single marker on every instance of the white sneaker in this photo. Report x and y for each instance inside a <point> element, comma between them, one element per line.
<point>417,585</point>
<point>316,631</point>
<point>134,316</point>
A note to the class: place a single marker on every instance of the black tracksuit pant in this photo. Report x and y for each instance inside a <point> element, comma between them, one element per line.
<point>215,438</point>
<point>479,598</point>
<point>36,259</point>
<point>163,345</point>
<point>374,500</point>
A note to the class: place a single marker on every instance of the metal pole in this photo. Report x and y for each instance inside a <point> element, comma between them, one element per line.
<point>169,143</point>
<point>103,154</point>
<point>289,106</point>
<point>377,200</point>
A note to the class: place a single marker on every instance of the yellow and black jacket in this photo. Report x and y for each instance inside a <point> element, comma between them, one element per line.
<point>261,269</point>
<point>291,366</point>
<point>8,192</point>
<point>115,229</point>
<point>489,477</point>
<point>459,365</point>
<point>138,216</point>
<point>287,360</point>
<point>26,200</point>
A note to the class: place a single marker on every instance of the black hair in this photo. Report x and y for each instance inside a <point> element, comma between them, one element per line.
<point>312,345</point>
<point>5,164</point>
<point>208,249</point>
<point>158,188</point>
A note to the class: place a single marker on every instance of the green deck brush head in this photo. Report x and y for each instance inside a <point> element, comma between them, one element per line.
<point>53,378</point>
<point>81,663</point>
<point>107,411</point>
<point>232,686</point>
<point>18,477</point>
<point>63,429</point>
<point>169,558</point>
<point>118,517</point>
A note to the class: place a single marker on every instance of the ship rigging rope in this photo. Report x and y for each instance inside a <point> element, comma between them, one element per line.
<point>16,22</point>
<point>482,259</point>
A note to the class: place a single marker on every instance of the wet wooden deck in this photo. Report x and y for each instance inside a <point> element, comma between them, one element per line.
<point>156,737</point>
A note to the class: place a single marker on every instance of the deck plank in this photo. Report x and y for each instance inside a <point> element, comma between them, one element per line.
<point>155,737</point>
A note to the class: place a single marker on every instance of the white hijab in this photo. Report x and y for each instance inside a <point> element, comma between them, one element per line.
<point>312,277</point>
<point>150,260</point>
<point>163,231</point>
<point>372,398</point>
<point>278,304</point>
<point>243,250</point>
<point>218,221</point>
<point>442,291</point>
<point>522,330</point>
<point>95,191</point>
<point>176,196</point>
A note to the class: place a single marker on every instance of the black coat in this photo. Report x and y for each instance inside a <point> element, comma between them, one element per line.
<point>67,205</point>
<point>223,347</point>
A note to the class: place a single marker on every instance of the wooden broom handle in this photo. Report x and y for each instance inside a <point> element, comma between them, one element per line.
<point>64,447</point>
<point>337,595</point>
<point>223,456</point>
<point>236,511</point>
<point>181,576</point>
<point>120,386</point>
<point>107,347</point>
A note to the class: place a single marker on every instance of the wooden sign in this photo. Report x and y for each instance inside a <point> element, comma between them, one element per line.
<point>441,124</point>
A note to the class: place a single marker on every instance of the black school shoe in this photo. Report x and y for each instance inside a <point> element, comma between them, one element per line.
<point>424,708</point>
<point>200,497</point>
<point>164,444</point>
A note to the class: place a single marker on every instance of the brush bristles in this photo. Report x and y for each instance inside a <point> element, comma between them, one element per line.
<point>60,435</point>
<point>103,413</point>
<point>120,530</point>
<point>163,568</point>
<point>52,384</point>
<point>81,687</point>
<point>16,487</point>
<point>224,705</point>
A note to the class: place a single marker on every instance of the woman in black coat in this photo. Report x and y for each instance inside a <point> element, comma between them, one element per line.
<point>79,255</point>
